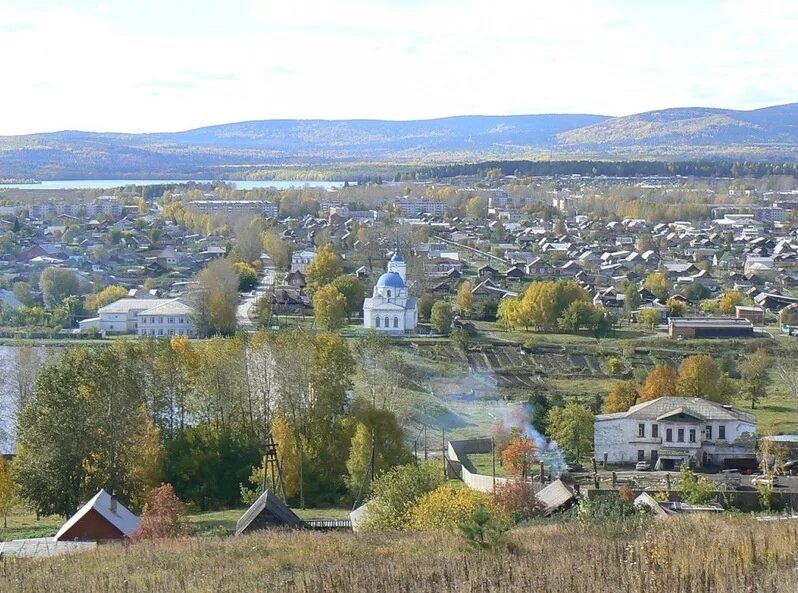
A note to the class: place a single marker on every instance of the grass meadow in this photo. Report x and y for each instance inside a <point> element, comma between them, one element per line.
<point>682,555</point>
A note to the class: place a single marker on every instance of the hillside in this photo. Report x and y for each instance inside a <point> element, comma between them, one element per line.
<point>691,127</point>
<point>231,150</point>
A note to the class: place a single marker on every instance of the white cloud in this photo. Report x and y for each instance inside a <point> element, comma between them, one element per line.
<point>389,59</point>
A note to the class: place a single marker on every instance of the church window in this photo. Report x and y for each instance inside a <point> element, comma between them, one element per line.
<point>389,293</point>
<point>396,322</point>
<point>377,321</point>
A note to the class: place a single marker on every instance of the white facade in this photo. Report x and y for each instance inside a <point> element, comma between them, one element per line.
<point>670,431</point>
<point>130,315</point>
<point>172,318</point>
<point>391,309</point>
<point>301,259</point>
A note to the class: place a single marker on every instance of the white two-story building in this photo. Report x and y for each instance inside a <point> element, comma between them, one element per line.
<point>144,317</point>
<point>670,431</point>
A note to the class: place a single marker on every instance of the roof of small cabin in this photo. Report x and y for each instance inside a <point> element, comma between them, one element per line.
<point>271,503</point>
<point>120,516</point>
<point>555,496</point>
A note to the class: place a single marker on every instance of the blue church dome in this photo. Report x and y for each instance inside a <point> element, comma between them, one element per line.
<point>391,280</point>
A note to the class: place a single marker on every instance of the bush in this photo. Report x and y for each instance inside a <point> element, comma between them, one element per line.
<point>482,531</point>
<point>518,500</point>
<point>695,489</point>
<point>162,515</point>
<point>450,506</point>
<point>396,492</point>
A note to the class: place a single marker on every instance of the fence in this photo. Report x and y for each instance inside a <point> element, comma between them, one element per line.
<point>479,482</point>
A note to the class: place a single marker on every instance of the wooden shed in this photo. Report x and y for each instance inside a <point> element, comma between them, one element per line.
<point>103,518</point>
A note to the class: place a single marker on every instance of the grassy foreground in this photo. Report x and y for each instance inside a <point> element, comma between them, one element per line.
<point>684,555</point>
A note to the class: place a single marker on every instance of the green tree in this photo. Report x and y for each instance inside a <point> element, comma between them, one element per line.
<point>216,298</point>
<point>57,284</point>
<point>425,303</point>
<point>631,298</point>
<point>354,293</point>
<point>572,427</point>
<point>325,267</point>
<point>441,317</point>
<point>83,428</point>
<point>695,489</point>
<point>395,493</point>
<point>286,438</point>
<point>477,207</point>
<point>329,308</point>
<point>755,374</point>
<point>24,293</point>
<point>277,249</point>
<point>247,276</point>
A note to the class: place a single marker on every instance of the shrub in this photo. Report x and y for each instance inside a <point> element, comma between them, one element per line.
<point>518,500</point>
<point>450,506</point>
<point>482,531</point>
<point>695,489</point>
<point>396,492</point>
<point>162,515</point>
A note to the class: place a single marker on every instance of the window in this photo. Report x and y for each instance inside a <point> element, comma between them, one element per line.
<point>669,435</point>
<point>655,431</point>
<point>388,293</point>
<point>160,320</point>
<point>692,435</point>
<point>722,432</point>
<point>396,322</point>
<point>641,455</point>
<point>709,432</point>
<point>641,430</point>
<point>171,332</point>
<point>171,320</point>
<point>680,435</point>
<point>160,332</point>
<point>377,321</point>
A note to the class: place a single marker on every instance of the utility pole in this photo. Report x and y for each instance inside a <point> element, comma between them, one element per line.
<point>425,442</point>
<point>493,456</point>
<point>443,449</point>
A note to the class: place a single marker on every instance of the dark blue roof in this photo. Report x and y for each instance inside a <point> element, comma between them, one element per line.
<point>391,280</point>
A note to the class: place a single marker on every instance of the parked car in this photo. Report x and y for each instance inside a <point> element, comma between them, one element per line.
<point>765,480</point>
<point>642,466</point>
<point>790,468</point>
<point>574,467</point>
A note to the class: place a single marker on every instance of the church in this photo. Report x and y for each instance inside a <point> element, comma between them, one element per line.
<point>391,309</point>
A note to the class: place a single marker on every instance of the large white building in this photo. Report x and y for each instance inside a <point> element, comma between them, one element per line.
<point>391,309</point>
<point>670,431</point>
<point>144,317</point>
<point>300,260</point>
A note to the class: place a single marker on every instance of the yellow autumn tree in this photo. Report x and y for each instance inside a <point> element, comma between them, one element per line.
<point>287,453</point>
<point>662,381</point>
<point>325,267</point>
<point>700,376</point>
<point>465,298</point>
<point>622,396</point>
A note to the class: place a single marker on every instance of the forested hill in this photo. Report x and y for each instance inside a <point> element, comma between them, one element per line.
<point>221,151</point>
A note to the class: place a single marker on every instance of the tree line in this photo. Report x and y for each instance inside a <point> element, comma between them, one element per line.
<point>132,415</point>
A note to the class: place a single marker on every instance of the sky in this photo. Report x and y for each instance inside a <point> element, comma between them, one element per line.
<point>168,65</point>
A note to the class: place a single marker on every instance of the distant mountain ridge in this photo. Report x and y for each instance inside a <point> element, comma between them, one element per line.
<point>768,133</point>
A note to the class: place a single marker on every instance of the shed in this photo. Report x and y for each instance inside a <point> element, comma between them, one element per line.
<point>554,497</point>
<point>103,518</point>
<point>267,512</point>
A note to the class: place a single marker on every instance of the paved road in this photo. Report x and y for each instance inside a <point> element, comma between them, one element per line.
<point>247,301</point>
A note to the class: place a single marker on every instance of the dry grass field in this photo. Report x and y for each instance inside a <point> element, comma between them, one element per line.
<point>689,555</point>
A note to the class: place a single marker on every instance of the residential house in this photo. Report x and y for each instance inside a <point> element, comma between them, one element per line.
<point>671,431</point>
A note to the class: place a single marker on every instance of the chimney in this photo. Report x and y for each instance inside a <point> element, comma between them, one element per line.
<point>113,504</point>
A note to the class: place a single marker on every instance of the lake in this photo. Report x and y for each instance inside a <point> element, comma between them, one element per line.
<point>112,183</point>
